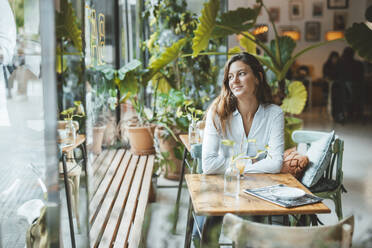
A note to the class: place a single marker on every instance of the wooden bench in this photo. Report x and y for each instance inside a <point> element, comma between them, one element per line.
<point>119,194</point>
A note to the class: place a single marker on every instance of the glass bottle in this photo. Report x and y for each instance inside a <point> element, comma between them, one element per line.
<point>70,132</point>
<point>193,133</point>
<point>232,180</point>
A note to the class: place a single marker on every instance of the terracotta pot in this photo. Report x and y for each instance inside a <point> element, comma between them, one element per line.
<point>97,139</point>
<point>167,144</point>
<point>109,135</point>
<point>141,139</point>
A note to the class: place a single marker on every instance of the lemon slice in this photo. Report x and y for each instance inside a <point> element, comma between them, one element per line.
<point>227,142</point>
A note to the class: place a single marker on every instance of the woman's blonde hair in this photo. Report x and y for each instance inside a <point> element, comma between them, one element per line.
<point>226,103</point>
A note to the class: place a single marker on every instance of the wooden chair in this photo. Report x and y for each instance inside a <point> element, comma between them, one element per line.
<point>244,233</point>
<point>330,185</point>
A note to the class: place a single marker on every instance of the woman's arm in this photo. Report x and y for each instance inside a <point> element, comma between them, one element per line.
<point>273,161</point>
<point>212,162</point>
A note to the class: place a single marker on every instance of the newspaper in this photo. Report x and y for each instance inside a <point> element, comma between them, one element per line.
<point>265,194</point>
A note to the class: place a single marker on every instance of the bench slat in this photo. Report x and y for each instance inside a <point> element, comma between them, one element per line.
<point>135,234</point>
<point>130,206</point>
<point>101,192</point>
<point>101,171</point>
<point>110,202</point>
<point>113,223</point>
<point>98,160</point>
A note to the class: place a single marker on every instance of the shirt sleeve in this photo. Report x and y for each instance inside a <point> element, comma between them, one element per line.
<point>7,32</point>
<point>212,161</point>
<point>274,159</point>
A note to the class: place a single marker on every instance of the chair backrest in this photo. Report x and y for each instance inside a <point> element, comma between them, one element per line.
<point>245,233</point>
<point>337,148</point>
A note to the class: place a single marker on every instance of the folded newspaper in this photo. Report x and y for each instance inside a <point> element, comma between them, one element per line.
<point>266,193</point>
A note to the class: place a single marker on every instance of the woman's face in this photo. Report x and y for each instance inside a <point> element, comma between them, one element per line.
<point>242,81</point>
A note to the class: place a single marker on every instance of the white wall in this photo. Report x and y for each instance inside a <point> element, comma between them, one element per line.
<point>316,57</point>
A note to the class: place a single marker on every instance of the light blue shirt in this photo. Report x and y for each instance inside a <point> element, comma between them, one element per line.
<point>267,129</point>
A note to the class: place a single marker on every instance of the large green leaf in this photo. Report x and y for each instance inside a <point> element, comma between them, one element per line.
<point>295,101</point>
<point>359,36</point>
<point>286,47</point>
<point>170,54</point>
<point>247,44</point>
<point>233,50</point>
<point>67,27</point>
<point>235,21</point>
<point>161,83</point>
<point>205,27</point>
<point>131,66</point>
<point>129,87</point>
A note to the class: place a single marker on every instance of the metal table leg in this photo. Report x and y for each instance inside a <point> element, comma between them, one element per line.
<point>190,225</point>
<point>67,189</point>
<point>177,206</point>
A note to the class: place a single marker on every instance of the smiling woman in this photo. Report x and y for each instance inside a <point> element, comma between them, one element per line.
<point>242,111</point>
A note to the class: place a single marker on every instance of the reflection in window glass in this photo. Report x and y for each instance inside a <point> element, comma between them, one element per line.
<point>23,179</point>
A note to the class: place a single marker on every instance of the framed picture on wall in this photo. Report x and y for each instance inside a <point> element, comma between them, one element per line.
<point>296,10</point>
<point>337,4</point>
<point>339,20</point>
<point>274,14</point>
<point>312,31</point>
<point>317,9</point>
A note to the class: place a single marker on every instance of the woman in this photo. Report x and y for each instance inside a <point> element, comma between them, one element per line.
<point>330,67</point>
<point>242,111</point>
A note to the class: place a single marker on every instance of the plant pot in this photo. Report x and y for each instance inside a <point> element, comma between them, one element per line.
<point>97,139</point>
<point>109,135</point>
<point>291,124</point>
<point>141,139</point>
<point>168,144</point>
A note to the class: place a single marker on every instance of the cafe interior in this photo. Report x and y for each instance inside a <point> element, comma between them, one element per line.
<point>105,135</point>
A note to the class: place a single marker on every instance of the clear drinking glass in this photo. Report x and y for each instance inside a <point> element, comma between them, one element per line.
<point>232,180</point>
<point>194,137</point>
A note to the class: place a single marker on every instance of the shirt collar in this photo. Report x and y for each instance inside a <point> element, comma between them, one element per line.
<point>259,112</point>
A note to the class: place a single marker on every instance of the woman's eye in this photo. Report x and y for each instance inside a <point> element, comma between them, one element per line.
<point>242,73</point>
<point>230,77</point>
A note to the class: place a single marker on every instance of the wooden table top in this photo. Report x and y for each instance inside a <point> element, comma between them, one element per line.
<point>80,138</point>
<point>185,140</point>
<point>206,192</point>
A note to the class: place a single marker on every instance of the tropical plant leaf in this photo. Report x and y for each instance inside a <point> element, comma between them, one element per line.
<point>170,54</point>
<point>247,44</point>
<point>235,21</point>
<point>286,46</point>
<point>295,101</point>
<point>131,66</point>
<point>234,50</point>
<point>163,84</point>
<point>359,36</point>
<point>267,62</point>
<point>205,27</point>
<point>67,27</point>
<point>129,86</point>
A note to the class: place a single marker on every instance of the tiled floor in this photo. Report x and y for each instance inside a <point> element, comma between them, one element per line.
<point>357,167</point>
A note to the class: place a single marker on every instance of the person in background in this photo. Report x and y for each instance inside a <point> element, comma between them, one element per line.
<point>330,76</point>
<point>242,111</point>
<point>351,73</point>
<point>7,47</point>
<point>330,66</point>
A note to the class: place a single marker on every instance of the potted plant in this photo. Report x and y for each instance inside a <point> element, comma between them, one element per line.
<point>131,80</point>
<point>70,126</point>
<point>169,126</point>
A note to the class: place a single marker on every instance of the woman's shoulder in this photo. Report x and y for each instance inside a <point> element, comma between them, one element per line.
<point>273,109</point>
